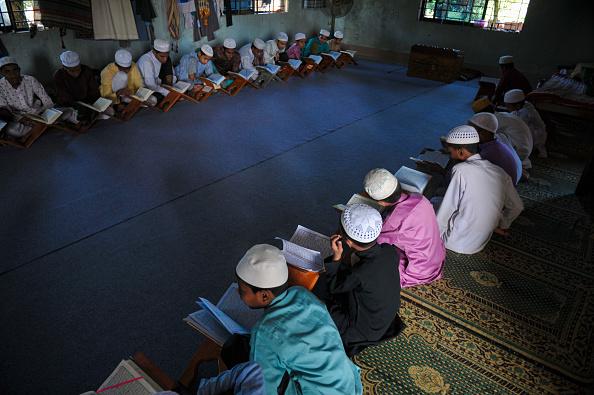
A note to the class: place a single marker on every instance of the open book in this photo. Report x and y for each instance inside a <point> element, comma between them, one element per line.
<point>489,80</point>
<point>307,249</point>
<point>216,79</point>
<point>179,86</point>
<point>245,74</point>
<point>333,54</point>
<point>295,63</point>
<point>2,124</point>
<point>270,68</point>
<point>349,52</point>
<point>100,104</point>
<point>316,58</point>
<point>412,180</point>
<point>356,198</point>
<point>128,379</point>
<point>142,94</point>
<point>48,117</point>
<point>436,157</point>
<point>228,317</point>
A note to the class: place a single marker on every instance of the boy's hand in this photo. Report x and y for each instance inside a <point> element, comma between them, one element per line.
<point>502,232</point>
<point>336,247</point>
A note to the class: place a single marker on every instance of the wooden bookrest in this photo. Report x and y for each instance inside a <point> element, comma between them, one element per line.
<point>302,277</point>
<point>202,95</point>
<point>307,67</point>
<point>345,59</point>
<point>172,98</point>
<point>154,372</point>
<point>286,71</point>
<point>327,61</point>
<point>237,85</point>
<point>130,110</point>
<point>25,142</point>
<point>207,351</point>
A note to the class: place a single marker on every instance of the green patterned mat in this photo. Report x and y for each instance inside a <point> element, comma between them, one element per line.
<point>516,318</point>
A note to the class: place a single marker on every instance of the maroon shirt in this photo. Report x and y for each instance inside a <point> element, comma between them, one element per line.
<point>69,90</point>
<point>512,79</point>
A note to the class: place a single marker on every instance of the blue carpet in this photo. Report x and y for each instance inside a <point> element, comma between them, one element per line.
<point>111,236</point>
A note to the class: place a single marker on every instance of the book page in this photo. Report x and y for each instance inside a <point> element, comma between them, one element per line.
<point>412,180</point>
<point>312,240</point>
<point>295,64</point>
<point>302,257</point>
<point>181,86</point>
<point>349,52</point>
<point>246,74</point>
<point>356,198</point>
<point>273,68</point>
<point>489,80</point>
<point>102,104</point>
<point>437,157</point>
<point>316,58</point>
<point>234,307</point>
<point>228,322</point>
<point>142,94</point>
<point>216,79</point>
<point>120,381</point>
<point>207,324</point>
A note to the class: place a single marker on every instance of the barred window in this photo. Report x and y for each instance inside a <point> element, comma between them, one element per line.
<point>503,15</point>
<point>17,15</point>
<point>314,3</point>
<point>245,7</point>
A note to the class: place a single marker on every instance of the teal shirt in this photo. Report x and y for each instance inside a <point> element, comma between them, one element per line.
<point>296,334</point>
<point>315,46</point>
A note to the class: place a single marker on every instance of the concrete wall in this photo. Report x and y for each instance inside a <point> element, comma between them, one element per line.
<point>39,56</point>
<point>555,32</point>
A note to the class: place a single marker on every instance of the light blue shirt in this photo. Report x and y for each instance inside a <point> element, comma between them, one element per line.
<point>297,335</point>
<point>189,64</point>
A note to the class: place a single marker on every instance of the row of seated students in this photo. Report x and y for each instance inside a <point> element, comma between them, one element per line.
<point>119,81</point>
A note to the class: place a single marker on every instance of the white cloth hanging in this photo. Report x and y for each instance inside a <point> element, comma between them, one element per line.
<point>113,20</point>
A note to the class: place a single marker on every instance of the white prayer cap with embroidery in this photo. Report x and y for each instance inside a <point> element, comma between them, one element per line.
<point>324,33</point>
<point>299,36</point>
<point>282,36</point>
<point>361,222</point>
<point>258,43</point>
<point>506,59</point>
<point>464,134</point>
<point>69,59</point>
<point>263,266</point>
<point>7,60</point>
<point>380,184</point>
<point>514,96</point>
<point>207,50</point>
<point>485,121</point>
<point>229,43</point>
<point>123,58</point>
<point>338,34</point>
<point>161,45</point>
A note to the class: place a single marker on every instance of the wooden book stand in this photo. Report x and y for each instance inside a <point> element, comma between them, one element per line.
<point>38,128</point>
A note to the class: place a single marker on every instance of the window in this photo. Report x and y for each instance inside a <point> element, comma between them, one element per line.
<point>504,15</point>
<point>314,3</point>
<point>243,7</point>
<point>16,15</point>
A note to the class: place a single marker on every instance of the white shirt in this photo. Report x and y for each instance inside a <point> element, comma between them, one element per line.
<point>532,118</point>
<point>149,67</point>
<point>271,50</point>
<point>480,197</point>
<point>247,58</point>
<point>515,133</point>
<point>22,100</point>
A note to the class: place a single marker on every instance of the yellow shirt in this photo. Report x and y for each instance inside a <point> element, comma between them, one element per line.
<point>107,74</point>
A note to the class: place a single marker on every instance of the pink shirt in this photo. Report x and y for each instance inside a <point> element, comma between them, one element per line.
<point>294,51</point>
<point>412,228</point>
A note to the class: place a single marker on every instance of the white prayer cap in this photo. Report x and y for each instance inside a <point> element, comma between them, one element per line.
<point>299,36</point>
<point>229,43</point>
<point>263,266</point>
<point>361,222</point>
<point>161,45</point>
<point>7,60</point>
<point>338,34</point>
<point>514,96</point>
<point>506,59</point>
<point>282,36</point>
<point>325,33</point>
<point>123,58</point>
<point>464,134</point>
<point>258,43</point>
<point>485,121</point>
<point>207,50</point>
<point>69,59</point>
<point>380,184</point>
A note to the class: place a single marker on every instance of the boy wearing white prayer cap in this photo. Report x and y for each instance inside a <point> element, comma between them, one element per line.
<point>227,58</point>
<point>275,49</point>
<point>196,64</point>
<point>361,286</point>
<point>515,101</point>
<point>410,225</point>
<point>511,78</point>
<point>336,42</point>
<point>121,79</point>
<point>480,199</point>
<point>252,55</point>
<point>156,69</point>
<point>295,341</point>
<point>318,44</point>
<point>294,51</point>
